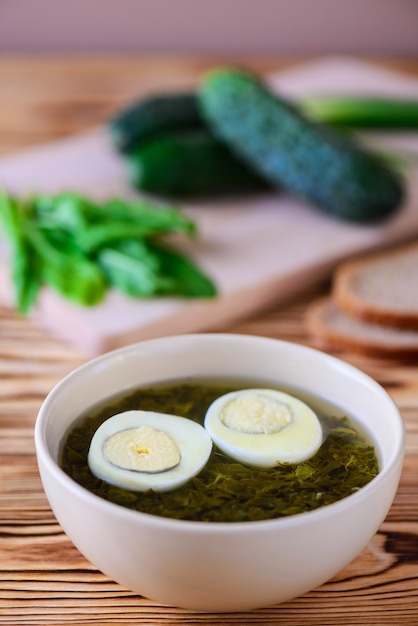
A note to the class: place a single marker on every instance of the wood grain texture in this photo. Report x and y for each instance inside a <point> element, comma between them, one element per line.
<point>43,578</point>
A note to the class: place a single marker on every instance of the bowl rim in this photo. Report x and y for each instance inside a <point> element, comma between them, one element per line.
<point>45,457</point>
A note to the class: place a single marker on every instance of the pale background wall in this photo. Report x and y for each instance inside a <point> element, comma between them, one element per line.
<point>255,26</point>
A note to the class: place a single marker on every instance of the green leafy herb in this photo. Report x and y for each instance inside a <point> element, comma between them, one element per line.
<point>133,268</point>
<point>81,248</point>
<point>185,278</point>
<point>225,490</point>
<point>74,276</point>
<point>26,272</point>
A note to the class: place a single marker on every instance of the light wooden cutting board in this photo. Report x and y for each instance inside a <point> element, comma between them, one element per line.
<point>258,250</point>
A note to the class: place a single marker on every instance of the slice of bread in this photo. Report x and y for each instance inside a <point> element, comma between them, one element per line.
<point>381,288</point>
<point>332,328</point>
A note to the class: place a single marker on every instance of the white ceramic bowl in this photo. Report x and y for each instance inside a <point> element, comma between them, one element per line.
<point>220,566</point>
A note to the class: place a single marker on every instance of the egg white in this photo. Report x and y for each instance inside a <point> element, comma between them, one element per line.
<point>191,439</point>
<point>293,442</point>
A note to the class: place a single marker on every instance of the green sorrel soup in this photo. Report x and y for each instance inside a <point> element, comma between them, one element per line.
<point>226,490</point>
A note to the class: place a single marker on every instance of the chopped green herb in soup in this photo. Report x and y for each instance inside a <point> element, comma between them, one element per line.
<point>230,482</point>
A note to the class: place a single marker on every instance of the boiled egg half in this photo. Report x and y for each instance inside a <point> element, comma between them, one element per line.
<point>263,427</point>
<point>142,450</point>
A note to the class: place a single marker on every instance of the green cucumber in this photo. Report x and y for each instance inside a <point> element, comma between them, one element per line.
<point>189,164</point>
<point>313,161</point>
<point>364,112</point>
<point>153,115</point>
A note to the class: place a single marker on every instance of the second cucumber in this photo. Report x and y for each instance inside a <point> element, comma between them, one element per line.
<point>189,163</point>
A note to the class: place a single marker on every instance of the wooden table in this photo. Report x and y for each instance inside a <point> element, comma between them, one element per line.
<point>44,579</point>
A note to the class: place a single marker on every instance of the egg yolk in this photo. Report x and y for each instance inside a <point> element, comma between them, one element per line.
<point>143,449</point>
<point>255,413</point>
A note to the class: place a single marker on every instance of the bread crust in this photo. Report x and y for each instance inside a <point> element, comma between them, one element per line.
<point>344,294</point>
<point>325,336</point>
